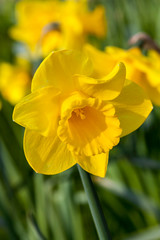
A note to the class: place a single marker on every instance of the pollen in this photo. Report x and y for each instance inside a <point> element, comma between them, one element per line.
<point>80,113</point>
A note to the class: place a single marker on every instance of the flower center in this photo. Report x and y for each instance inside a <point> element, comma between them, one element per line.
<point>80,113</point>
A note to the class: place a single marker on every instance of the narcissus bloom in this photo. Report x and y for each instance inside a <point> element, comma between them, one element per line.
<point>14,82</point>
<point>47,25</point>
<point>144,70</point>
<point>71,117</point>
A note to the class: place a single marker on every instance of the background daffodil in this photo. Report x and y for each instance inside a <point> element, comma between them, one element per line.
<point>72,117</point>
<point>14,82</point>
<point>144,70</point>
<point>47,25</point>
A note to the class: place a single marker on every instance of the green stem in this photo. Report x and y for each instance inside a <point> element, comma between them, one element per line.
<point>95,207</point>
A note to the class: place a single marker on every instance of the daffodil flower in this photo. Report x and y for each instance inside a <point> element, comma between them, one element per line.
<point>48,25</point>
<point>14,82</point>
<point>72,117</point>
<point>143,70</point>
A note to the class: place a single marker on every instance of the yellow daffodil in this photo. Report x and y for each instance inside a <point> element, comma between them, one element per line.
<point>144,70</point>
<point>14,82</point>
<point>48,25</point>
<point>72,117</point>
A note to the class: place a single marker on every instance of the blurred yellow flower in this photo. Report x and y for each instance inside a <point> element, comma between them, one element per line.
<point>48,25</point>
<point>144,70</point>
<point>71,117</point>
<point>14,82</point>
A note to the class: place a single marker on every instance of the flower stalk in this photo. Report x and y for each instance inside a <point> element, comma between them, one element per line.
<point>94,204</point>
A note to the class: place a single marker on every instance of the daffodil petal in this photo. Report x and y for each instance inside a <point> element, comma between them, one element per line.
<point>153,93</point>
<point>46,155</point>
<point>58,68</point>
<point>102,62</point>
<point>94,22</point>
<point>39,110</point>
<point>96,165</point>
<point>132,107</point>
<point>106,88</point>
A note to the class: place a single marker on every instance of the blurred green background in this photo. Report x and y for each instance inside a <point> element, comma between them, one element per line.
<point>34,206</point>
